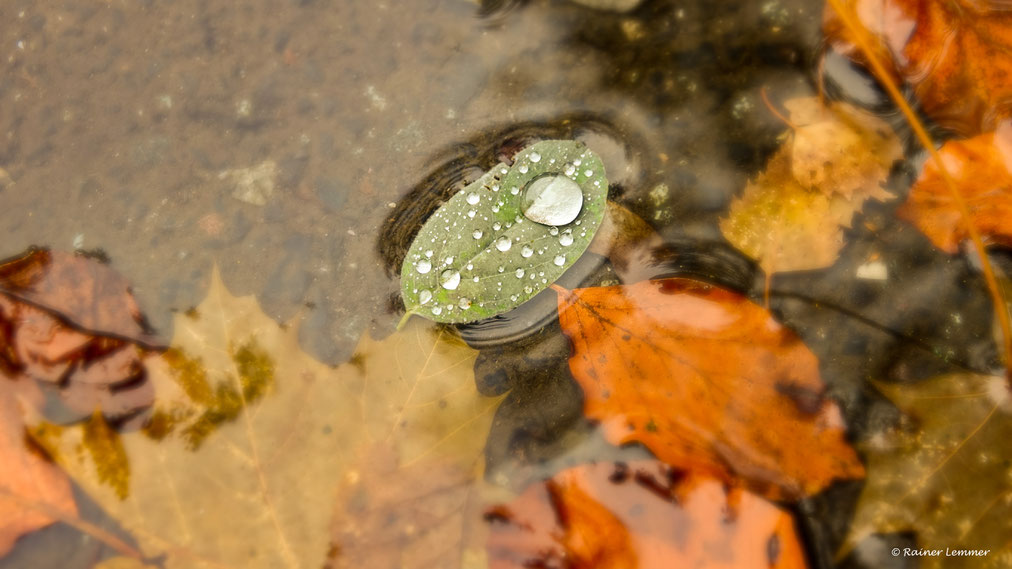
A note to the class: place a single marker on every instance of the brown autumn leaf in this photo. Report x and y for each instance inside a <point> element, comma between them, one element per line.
<point>641,515</point>
<point>71,324</point>
<point>27,473</point>
<point>943,472</point>
<point>982,170</point>
<point>252,441</point>
<point>956,54</point>
<point>791,217</point>
<point>709,382</point>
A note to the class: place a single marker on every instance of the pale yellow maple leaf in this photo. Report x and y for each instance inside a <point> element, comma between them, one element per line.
<point>252,437</point>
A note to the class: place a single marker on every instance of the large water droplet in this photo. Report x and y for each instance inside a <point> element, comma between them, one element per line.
<point>503,243</point>
<point>449,279</point>
<point>477,234</point>
<point>423,266</point>
<point>559,260</point>
<point>552,200</point>
<point>520,273</point>
<point>473,198</point>
<point>535,157</point>
<point>526,251</point>
<point>566,239</point>
<point>424,296</point>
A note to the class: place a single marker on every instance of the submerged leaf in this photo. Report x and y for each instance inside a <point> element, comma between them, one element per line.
<point>956,54</point>
<point>640,515</point>
<point>276,431</point>
<point>507,236</point>
<point>27,475</point>
<point>709,382</point>
<point>944,474</point>
<point>982,170</point>
<point>791,217</point>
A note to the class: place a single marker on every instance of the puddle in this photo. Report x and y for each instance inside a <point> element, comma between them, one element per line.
<point>294,149</point>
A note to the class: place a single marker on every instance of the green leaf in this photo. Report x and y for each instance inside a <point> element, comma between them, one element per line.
<point>479,254</point>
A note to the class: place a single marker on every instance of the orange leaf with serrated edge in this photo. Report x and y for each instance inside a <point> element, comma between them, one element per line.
<point>641,515</point>
<point>956,54</point>
<point>982,169</point>
<point>709,382</point>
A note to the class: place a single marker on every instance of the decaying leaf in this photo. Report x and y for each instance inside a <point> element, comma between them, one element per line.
<point>641,515</point>
<point>790,218</point>
<point>709,382</point>
<point>26,473</point>
<point>956,54</point>
<point>982,169</point>
<point>507,236</point>
<point>944,473</point>
<point>250,436</point>
<point>71,323</point>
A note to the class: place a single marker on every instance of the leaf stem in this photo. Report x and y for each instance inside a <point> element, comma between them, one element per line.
<point>964,211</point>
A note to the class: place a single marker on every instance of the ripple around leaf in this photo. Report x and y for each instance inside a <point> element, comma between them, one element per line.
<point>506,234</point>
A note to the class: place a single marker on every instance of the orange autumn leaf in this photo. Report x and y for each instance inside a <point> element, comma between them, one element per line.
<point>641,515</point>
<point>956,54</point>
<point>982,169</point>
<point>30,484</point>
<point>709,382</point>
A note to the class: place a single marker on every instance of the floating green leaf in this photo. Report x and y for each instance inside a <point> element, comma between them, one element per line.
<point>507,236</point>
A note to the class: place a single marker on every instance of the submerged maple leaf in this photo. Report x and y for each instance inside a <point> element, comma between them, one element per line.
<point>709,382</point>
<point>982,170</point>
<point>640,515</point>
<point>956,54</point>
<point>250,436</point>
<point>790,218</point>
<point>944,473</point>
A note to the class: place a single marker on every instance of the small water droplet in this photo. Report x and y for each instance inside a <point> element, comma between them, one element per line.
<point>528,289</point>
<point>559,260</point>
<point>473,198</point>
<point>533,276</point>
<point>513,297</point>
<point>471,213</point>
<point>577,162</point>
<point>423,266</point>
<point>514,190</point>
<point>464,303</point>
<point>588,173</point>
<point>526,251</point>
<point>509,224</point>
<point>449,307</point>
<point>437,310</point>
<point>569,170</point>
<point>424,297</point>
<point>449,279</point>
<point>566,239</point>
<point>518,219</point>
<point>495,208</point>
<point>523,168</point>
<point>503,171</point>
<point>535,157</point>
<point>475,279</point>
<point>503,243</point>
<point>501,268</point>
<point>553,231</point>
<point>496,226</point>
<point>448,260</point>
<point>520,273</point>
<point>495,187</point>
<point>552,200</point>
<point>477,234</point>
<point>470,266</point>
<point>429,253</point>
